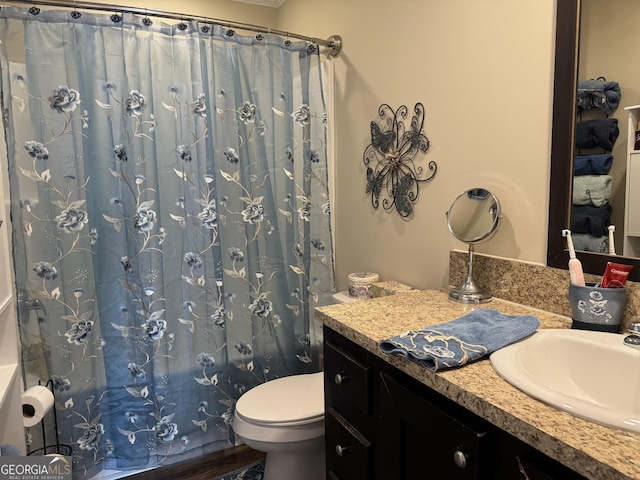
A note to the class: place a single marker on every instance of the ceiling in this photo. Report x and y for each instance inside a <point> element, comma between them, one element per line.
<point>263,3</point>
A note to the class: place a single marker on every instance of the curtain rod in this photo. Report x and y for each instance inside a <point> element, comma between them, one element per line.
<point>333,43</point>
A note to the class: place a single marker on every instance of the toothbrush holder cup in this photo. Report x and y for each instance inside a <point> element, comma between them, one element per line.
<point>595,308</point>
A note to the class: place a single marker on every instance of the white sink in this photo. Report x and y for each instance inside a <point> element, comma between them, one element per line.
<point>588,374</point>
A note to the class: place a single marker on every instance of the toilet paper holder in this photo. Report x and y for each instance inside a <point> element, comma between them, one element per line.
<point>56,447</point>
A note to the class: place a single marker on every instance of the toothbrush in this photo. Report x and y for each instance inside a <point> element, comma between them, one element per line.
<point>612,247</point>
<point>575,267</point>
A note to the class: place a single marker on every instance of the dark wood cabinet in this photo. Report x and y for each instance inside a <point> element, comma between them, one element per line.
<point>425,432</point>
<point>381,424</point>
<point>349,425</point>
<point>348,375</point>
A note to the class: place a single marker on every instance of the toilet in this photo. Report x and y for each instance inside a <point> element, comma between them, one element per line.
<point>285,418</point>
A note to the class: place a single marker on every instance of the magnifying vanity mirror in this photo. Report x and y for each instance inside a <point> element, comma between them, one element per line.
<point>473,218</point>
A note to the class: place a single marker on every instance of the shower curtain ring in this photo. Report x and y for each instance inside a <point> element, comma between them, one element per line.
<point>206,27</point>
<point>259,35</point>
<point>34,10</point>
<point>75,14</point>
<point>230,32</point>
<point>146,21</point>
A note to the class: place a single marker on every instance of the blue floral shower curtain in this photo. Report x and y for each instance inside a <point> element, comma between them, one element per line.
<point>170,215</point>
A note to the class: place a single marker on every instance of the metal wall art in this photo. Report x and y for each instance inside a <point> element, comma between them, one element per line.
<point>393,179</point>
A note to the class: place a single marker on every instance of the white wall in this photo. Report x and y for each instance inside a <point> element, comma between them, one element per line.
<point>484,71</point>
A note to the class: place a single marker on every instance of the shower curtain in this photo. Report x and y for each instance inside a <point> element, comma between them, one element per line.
<point>170,212</point>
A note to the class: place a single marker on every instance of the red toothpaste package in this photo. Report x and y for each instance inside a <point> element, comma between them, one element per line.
<point>615,275</point>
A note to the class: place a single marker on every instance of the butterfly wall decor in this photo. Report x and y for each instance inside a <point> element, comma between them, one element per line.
<point>393,178</point>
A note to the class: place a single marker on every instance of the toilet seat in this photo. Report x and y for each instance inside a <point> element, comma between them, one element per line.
<point>287,401</point>
<point>285,419</point>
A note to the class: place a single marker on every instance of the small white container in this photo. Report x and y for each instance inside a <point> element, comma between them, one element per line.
<point>360,284</point>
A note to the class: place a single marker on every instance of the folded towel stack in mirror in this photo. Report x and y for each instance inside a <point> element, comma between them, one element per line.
<point>597,133</point>
<point>461,341</point>
<point>599,94</point>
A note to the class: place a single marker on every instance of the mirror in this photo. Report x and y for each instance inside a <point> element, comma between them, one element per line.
<point>474,217</point>
<point>562,146</point>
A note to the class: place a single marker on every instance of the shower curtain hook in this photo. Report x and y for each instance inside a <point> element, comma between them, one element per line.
<point>207,25</point>
<point>75,14</point>
<point>230,32</point>
<point>116,17</point>
<point>146,21</point>
<point>34,10</point>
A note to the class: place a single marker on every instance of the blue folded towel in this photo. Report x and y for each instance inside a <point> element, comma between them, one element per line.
<point>590,219</point>
<point>461,341</point>
<point>596,164</point>
<point>600,94</point>
<point>597,133</point>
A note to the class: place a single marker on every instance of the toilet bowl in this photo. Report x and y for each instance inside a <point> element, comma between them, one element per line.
<point>285,419</point>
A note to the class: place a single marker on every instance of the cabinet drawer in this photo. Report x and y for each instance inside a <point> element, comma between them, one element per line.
<point>347,450</point>
<point>347,376</point>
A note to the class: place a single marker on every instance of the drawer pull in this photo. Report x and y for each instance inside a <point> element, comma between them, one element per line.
<point>460,458</point>
<point>340,450</point>
<point>339,378</point>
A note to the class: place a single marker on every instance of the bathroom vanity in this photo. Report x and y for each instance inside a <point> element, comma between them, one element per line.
<point>390,418</point>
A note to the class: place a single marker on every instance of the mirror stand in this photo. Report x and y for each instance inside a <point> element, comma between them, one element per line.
<point>468,291</point>
<point>474,217</point>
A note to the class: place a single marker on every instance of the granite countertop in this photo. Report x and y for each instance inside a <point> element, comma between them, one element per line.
<point>595,451</point>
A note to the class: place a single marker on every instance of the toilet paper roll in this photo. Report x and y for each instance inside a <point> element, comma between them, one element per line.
<point>360,284</point>
<point>36,402</point>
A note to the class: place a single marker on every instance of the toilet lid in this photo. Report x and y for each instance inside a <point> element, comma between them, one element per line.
<point>284,400</point>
